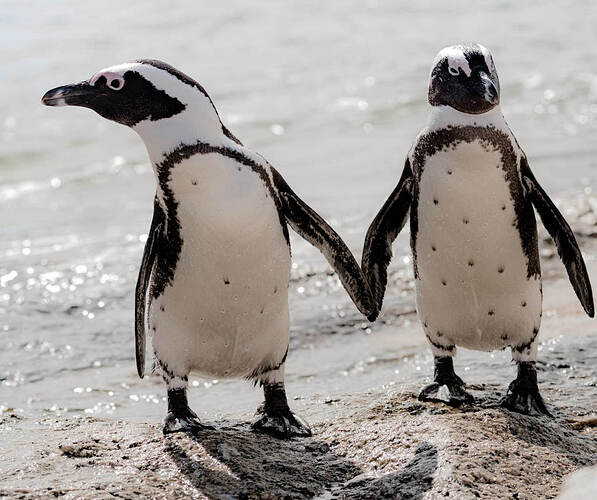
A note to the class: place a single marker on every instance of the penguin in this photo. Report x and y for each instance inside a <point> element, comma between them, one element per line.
<point>471,196</point>
<point>213,282</point>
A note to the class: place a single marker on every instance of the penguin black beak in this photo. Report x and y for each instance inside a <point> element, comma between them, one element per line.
<point>78,94</point>
<point>490,92</point>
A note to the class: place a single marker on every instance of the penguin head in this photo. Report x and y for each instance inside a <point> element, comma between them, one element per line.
<point>165,106</point>
<point>464,78</point>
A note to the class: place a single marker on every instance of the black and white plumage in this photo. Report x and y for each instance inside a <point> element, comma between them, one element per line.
<point>470,193</point>
<point>213,283</point>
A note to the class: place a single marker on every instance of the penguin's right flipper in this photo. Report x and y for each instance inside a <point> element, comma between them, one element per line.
<point>307,223</point>
<point>562,235</point>
<point>149,254</point>
<point>384,229</point>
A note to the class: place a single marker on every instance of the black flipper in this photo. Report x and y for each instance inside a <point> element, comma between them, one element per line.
<point>562,235</point>
<point>149,254</point>
<point>308,224</point>
<point>382,232</point>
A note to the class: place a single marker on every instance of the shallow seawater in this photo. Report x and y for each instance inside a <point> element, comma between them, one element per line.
<point>332,94</point>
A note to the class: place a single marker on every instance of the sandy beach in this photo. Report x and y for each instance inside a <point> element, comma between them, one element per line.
<point>371,439</point>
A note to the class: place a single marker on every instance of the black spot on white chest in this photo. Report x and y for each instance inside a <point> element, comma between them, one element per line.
<point>467,193</point>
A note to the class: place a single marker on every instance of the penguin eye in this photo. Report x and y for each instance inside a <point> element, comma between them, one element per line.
<point>110,79</point>
<point>453,71</point>
<point>116,83</point>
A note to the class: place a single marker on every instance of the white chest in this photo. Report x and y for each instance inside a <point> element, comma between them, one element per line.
<point>227,308</point>
<point>472,285</point>
<point>226,213</point>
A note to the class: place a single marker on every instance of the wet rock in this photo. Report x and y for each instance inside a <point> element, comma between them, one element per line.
<point>317,447</point>
<point>380,445</point>
<point>77,450</point>
<point>227,452</point>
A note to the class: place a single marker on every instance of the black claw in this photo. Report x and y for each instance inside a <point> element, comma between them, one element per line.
<point>274,417</point>
<point>447,387</point>
<point>283,425</point>
<point>523,394</point>
<point>180,417</point>
<point>177,422</point>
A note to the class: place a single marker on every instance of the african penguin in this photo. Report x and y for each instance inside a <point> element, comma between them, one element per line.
<point>471,194</point>
<point>216,266</point>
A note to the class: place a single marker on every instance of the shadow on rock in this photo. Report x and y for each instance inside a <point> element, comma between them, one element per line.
<point>242,464</point>
<point>412,482</point>
<point>550,433</point>
<point>236,463</point>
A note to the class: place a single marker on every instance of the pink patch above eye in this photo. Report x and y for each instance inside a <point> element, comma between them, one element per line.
<point>113,80</point>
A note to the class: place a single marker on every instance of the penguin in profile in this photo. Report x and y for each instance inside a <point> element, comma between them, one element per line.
<point>470,193</point>
<point>213,283</point>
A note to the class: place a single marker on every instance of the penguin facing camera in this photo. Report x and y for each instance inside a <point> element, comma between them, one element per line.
<point>471,193</point>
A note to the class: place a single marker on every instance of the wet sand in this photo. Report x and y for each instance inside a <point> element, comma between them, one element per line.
<point>372,437</point>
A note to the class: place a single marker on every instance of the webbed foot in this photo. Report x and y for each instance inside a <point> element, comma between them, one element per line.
<point>523,394</point>
<point>450,393</point>
<point>180,417</point>
<point>281,424</point>
<point>274,416</point>
<point>178,422</point>
<point>447,387</point>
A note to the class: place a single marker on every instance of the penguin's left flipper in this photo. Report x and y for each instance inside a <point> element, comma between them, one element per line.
<point>308,224</point>
<point>377,250</point>
<point>562,235</point>
<point>149,255</point>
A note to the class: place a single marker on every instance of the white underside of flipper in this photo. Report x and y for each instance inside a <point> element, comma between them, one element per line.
<point>472,286</point>
<point>225,314</point>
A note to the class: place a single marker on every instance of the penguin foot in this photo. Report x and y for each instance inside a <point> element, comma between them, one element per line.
<point>524,401</point>
<point>447,387</point>
<point>180,417</point>
<point>183,420</point>
<point>274,416</point>
<point>280,423</point>
<point>450,393</point>
<point>523,393</point>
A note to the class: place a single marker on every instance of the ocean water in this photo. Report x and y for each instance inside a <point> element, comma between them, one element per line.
<point>332,94</point>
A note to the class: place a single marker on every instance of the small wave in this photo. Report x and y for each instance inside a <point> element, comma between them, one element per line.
<point>13,191</point>
<point>117,166</point>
